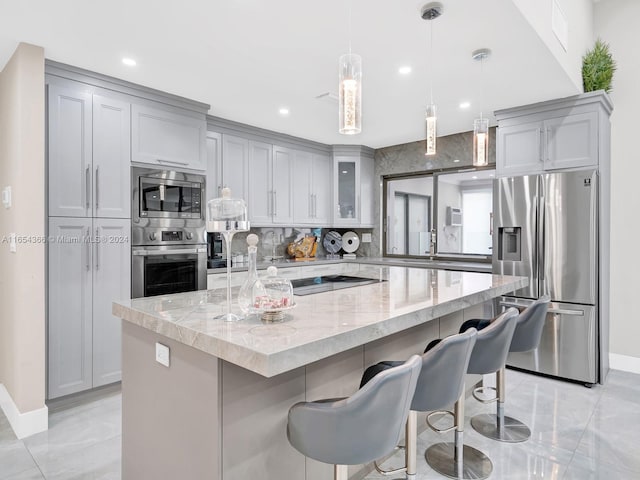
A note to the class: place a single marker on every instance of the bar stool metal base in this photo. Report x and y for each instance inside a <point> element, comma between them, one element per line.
<point>512,431</point>
<point>475,464</point>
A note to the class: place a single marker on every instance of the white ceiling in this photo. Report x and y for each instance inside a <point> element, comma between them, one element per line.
<point>248,58</point>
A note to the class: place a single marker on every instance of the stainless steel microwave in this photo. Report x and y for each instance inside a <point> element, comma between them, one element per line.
<point>167,194</point>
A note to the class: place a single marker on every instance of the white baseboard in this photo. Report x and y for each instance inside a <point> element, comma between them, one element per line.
<point>624,363</point>
<point>23,424</point>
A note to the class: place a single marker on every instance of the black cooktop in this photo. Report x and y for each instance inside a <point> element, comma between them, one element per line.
<point>326,283</point>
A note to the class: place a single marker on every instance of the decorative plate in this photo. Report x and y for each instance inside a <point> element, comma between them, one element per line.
<point>332,242</point>
<point>350,242</point>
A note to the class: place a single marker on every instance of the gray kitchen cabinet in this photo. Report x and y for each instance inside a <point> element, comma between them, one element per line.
<point>235,165</point>
<point>170,139</point>
<point>111,158</point>
<point>69,123</point>
<point>70,324</point>
<point>214,165</point>
<point>89,154</point>
<point>281,181</point>
<point>261,193</point>
<point>353,182</point>
<point>89,267</point>
<point>270,192</point>
<point>111,281</point>
<point>553,135</point>
<point>312,189</point>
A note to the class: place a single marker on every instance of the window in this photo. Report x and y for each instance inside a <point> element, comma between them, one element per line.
<point>452,208</point>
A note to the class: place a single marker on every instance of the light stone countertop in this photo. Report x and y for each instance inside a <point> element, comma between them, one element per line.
<point>321,325</point>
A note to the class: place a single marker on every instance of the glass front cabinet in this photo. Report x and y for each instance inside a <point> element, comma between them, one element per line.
<point>353,180</point>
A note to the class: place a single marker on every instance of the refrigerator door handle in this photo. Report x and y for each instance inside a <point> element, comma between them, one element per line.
<point>562,311</point>
<point>541,240</point>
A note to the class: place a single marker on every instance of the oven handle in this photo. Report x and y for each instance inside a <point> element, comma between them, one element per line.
<point>148,253</point>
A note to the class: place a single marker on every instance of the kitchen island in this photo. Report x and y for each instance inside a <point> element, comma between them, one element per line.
<point>219,410</point>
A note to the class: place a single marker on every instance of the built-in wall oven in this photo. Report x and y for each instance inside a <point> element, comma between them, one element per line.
<point>169,242</point>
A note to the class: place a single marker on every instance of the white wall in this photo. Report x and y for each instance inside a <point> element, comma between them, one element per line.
<point>616,22</point>
<point>579,15</point>
<point>22,283</point>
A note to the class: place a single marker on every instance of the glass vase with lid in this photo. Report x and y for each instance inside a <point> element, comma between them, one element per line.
<point>227,216</point>
<point>246,293</point>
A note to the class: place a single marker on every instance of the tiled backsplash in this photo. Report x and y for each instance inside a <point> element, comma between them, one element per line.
<point>274,241</point>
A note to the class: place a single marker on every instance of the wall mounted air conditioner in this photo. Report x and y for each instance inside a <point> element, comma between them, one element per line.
<point>454,216</point>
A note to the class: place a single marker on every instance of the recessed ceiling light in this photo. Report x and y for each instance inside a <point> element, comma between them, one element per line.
<point>464,105</point>
<point>284,111</point>
<point>475,177</point>
<point>344,171</point>
<point>404,70</point>
<point>456,160</point>
<point>129,62</point>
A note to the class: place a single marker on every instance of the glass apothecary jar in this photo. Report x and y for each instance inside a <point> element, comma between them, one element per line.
<point>273,296</point>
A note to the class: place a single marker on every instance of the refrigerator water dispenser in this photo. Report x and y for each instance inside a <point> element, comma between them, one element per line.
<point>509,244</point>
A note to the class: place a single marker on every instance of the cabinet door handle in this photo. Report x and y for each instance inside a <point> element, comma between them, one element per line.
<point>542,142</point>
<point>310,209</point>
<point>87,239</point>
<point>547,136</point>
<point>270,203</point>
<point>313,203</point>
<point>275,203</point>
<point>171,162</point>
<point>87,186</point>
<point>97,249</point>
<point>97,189</point>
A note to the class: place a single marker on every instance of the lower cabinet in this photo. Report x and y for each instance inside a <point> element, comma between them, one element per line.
<point>89,267</point>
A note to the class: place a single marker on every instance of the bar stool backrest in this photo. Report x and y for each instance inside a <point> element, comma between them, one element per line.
<point>360,428</point>
<point>492,344</point>
<point>444,367</point>
<point>528,332</point>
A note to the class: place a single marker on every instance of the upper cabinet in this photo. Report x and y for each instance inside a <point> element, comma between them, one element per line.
<point>235,166</point>
<point>270,179</point>
<point>312,192</point>
<point>353,182</point>
<point>559,134</point>
<point>89,154</point>
<point>168,138</point>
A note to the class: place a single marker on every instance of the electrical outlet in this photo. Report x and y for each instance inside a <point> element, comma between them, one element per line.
<point>162,354</point>
<point>366,238</point>
<point>6,197</point>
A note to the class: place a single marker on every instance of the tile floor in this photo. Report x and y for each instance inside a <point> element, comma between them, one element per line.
<point>578,433</point>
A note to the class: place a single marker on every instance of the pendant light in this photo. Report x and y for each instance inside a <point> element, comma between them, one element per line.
<point>481,125</point>
<point>350,90</point>
<point>429,12</point>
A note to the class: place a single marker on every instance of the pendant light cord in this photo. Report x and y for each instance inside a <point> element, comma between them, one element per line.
<point>430,66</point>
<point>481,85</point>
<point>350,5</point>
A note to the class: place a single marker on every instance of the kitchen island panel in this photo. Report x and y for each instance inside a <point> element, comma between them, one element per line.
<point>170,415</point>
<point>254,419</point>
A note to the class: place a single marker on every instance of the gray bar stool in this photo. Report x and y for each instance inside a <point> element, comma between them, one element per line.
<point>526,338</point>
<point>440,384</point>
<point>456,460</point>
<point>360,428</point>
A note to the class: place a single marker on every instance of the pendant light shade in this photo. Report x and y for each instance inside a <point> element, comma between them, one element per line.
<point>481,125</point>
<point>350,94</point>
<point>430,12</point>
<point>431,130</point>
<point>481,142</point>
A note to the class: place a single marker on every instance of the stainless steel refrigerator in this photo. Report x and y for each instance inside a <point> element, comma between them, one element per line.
<point>546,229</point>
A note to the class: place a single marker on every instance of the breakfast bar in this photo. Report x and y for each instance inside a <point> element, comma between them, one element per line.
<point>219,409</point>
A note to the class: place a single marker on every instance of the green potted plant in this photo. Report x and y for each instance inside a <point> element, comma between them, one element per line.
<point>598,67</point>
